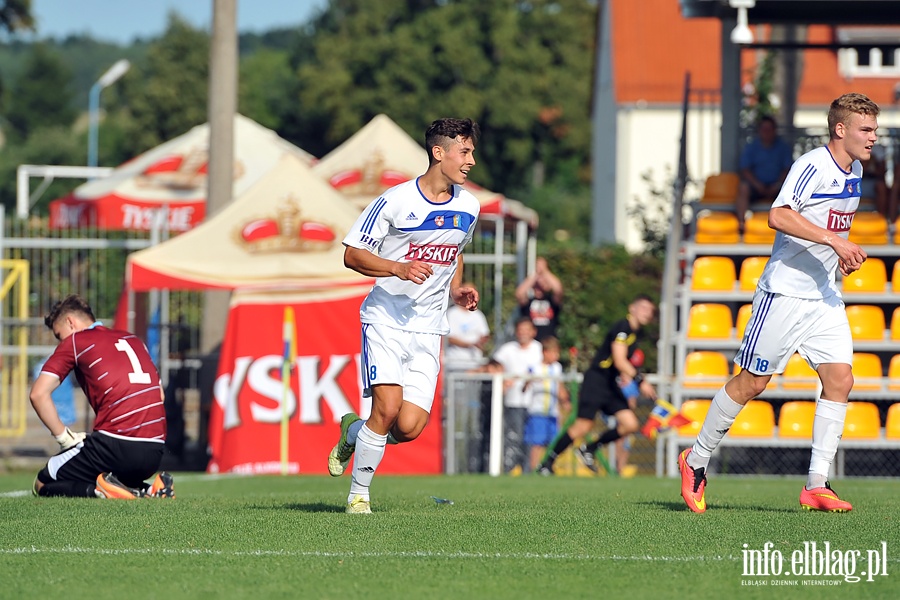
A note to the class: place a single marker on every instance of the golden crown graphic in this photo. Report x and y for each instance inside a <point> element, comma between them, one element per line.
<point>285,232</point>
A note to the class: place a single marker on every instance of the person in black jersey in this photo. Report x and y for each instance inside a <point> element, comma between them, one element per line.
<point>611,379</point>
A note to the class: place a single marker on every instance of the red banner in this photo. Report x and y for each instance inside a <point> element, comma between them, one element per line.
<point>114,212</point>
<point>245,420</point>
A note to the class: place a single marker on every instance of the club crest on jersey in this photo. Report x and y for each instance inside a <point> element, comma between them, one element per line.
<point>439,220</point>
<point>437,254</point>
<point>839,221</point>
<point>456,220</point>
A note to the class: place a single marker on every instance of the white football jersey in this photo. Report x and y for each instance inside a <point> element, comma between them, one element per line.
<point>827,196</point>
<point>403,225</point>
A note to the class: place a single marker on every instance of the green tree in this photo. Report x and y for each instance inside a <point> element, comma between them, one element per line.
<point>15,15</point>
<point>47,145</point>
<point>264,87</point>
<point>40,95</point>
<point>165,95</point>
<point>522,69</point>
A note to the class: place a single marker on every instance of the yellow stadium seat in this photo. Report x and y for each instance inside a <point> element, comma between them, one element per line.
<point>866,371</point>
<point>866,322</point>
<point>894,373</point>
<point>862,422</point>
<point>721,188</point>
<point>756,419</point>
<point>798,375</point>
<point>795,420</point>
<point>892,423</point>
<point>871,277</point>
<point>709,321</point>
<point>713,273</point>
<point>895,325</point>
<point>695,410</point>
<point>743,317</point>
<point>757,230</point>
<point>705,365</point>
<point>717,228</point>
<point>869,228</point>
<point>751,269</point>
<point>895,276</point>
<point>897,231</point>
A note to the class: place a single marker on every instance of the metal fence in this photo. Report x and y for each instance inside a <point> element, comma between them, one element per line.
<point>476,435</point>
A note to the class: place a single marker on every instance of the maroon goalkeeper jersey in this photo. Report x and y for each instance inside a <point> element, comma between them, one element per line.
<point>119,379</point>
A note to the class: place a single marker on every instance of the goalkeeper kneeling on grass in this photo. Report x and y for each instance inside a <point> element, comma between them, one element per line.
<point>122,386</point>
<point>609,387</point>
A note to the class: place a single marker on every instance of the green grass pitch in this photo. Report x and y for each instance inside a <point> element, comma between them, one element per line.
<point>526,537</point>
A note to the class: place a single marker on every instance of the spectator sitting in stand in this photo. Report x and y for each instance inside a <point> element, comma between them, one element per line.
<point>764,164</point>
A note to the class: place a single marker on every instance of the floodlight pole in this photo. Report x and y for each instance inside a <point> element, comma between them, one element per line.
<point>112,75</point>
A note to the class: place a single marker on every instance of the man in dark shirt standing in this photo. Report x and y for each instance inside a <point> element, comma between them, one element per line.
<point>122,386</point>
<point>540,299</point>
<point>611,384</point>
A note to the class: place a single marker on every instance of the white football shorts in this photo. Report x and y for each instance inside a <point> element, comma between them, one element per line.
<point>406,358</point>
<point>781,325</point>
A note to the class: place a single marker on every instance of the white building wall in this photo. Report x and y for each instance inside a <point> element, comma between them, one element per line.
<point>648,140</point>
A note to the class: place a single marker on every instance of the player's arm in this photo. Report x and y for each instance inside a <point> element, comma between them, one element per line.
<point>786,220</point>
<point>464,296</point>
<point>42,401</point>
<point>364,262</point>
<point>627,371</point>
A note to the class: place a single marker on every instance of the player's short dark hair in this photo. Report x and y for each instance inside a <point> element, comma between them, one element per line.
<point>640,297</point>
<point>443,131</point>
<point>767,119</point>
<point>69,305</point>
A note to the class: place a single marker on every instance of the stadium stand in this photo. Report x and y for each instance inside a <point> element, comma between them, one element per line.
<point>894,373</point>
<point>757,230</point>
<point>795,419</point>
<point>892,424</point>
<point>743,317</point>
<point>862,422</point>
<point>869,228</point>
<point>866,322</point>
<point>717,228</point>
<point>871,277</point>
<point>751,268</point>
<point>713,273</point>
<point>867,372</point>
<point>757,419</point>
<point>707,369</point>
<point>721,190</point>
<point>709,321</point>
<point>798,375</point>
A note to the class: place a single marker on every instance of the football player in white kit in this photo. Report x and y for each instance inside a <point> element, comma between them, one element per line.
<point>797,306</point>
<point>410,239</point>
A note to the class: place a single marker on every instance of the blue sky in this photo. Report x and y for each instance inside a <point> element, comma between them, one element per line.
<point>121,21</point>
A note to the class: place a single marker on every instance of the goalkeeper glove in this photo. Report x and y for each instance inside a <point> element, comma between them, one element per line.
<point>67,439</point>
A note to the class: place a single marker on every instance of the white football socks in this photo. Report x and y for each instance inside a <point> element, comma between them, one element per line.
<point>369,451</point>
<point>828,426</point>
<point>722,413</point>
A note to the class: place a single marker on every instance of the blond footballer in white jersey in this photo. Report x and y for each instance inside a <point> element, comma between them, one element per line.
<point>797,306</point>
<point>410,239</point>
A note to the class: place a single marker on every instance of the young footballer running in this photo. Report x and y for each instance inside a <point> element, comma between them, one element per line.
<point>797,306</point>
<point>410,239</point>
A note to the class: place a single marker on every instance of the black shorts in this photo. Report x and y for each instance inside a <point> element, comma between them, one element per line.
<point>599,393</point>
<point>132,462</point>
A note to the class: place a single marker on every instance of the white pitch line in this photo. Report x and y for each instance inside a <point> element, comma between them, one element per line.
<point>385,554</point>
<point>353,554</point>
